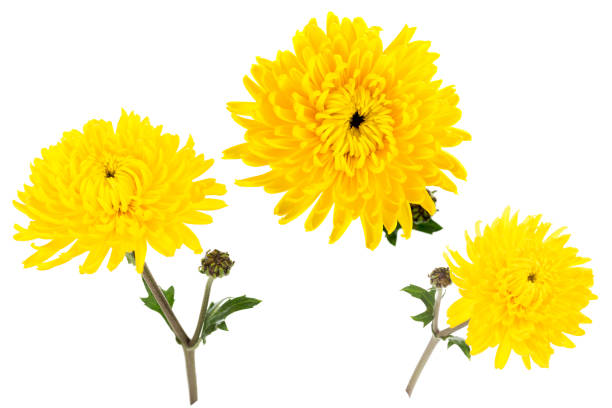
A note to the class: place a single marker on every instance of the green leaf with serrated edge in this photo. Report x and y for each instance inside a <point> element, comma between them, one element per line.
<point>428,227</point>
<point>152,304</point>
<point>218,312</point>
<point>459,342</point>
<point>392,237</point>
<point>428,297</point>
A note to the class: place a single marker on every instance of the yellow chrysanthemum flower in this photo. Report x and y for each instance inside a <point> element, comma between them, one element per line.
<point>521,291</point>
<point>346,123</point>
<point>102,190</point>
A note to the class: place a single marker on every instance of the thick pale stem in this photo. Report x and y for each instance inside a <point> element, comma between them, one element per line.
<point>435,338</point>
<point>436,311</point>
<point>450,330</point>
<point>191,374</point>
<point>421,364</point>
<point>195,339</point>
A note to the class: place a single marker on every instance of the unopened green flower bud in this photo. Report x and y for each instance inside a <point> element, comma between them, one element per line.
<point>216,264</point>
<point>440,277</point>
<point>419,214</point>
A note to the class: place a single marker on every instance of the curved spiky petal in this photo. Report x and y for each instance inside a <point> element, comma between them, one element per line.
<point>118,191</point>
<point>520,288</point>
<point>343,122</point>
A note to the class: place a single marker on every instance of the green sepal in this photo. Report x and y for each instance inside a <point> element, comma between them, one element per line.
<point>152,304</point>
<point>131,258</point>
<point>459,342</point>
<point>428,297</point>
<point>218,312</point>
<point>392,237</point>
<point>428,227</point>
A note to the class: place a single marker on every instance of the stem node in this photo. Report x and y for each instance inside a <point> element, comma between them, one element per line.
<point>436,336</point>
<point>189,345</point>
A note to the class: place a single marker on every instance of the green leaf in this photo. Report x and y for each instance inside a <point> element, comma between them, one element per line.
<point>392,237</point>
<point>426,317</point>
<point>428,297</point>
<point>152,304</point>
<point>428,227</point>
<point>218,312</point>
<point>460,342</point>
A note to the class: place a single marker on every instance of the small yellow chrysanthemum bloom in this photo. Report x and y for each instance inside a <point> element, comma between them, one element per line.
<point>104,189</point>
<point>346,123</point>
<point>521,289</point>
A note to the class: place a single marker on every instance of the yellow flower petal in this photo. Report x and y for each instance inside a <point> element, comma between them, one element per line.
<point>344,120</point>
<point>116,257</point>
<point>94,259</point>
<point>520,288</point>
<point>47,251</point>
<point>104,188</point>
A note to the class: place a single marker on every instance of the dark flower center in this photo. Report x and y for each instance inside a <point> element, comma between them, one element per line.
<point>356,120</point>
<point>532,277</point>
<point>109,173</point>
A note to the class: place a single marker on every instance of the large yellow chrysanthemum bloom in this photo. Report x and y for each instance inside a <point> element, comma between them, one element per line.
<point>356,126</point>
<point>521,291</point>
<point>102,190</point>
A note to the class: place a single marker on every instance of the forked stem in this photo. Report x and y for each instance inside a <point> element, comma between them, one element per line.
<point>436,336</point>
<point>433,342</point>
<point>179,332</point>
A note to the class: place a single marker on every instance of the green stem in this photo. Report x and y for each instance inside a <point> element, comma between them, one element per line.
<point>195,339</point>
<point>435,338</point>
<point>433,342</point>
<point>436,311</point>
<point>437,335</point>
<point>178,330</point>
<point>191,374</point>
<point>176,327</point>
<point>450,330</point>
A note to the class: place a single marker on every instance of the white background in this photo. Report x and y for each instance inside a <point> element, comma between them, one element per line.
<point>333,329</point>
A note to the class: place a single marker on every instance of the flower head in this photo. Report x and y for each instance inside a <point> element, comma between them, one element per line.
<point>216,264</point>
<point>344,122</point>
<point>104,189</point>
<point>440,277</point>
<point>521,289</point>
